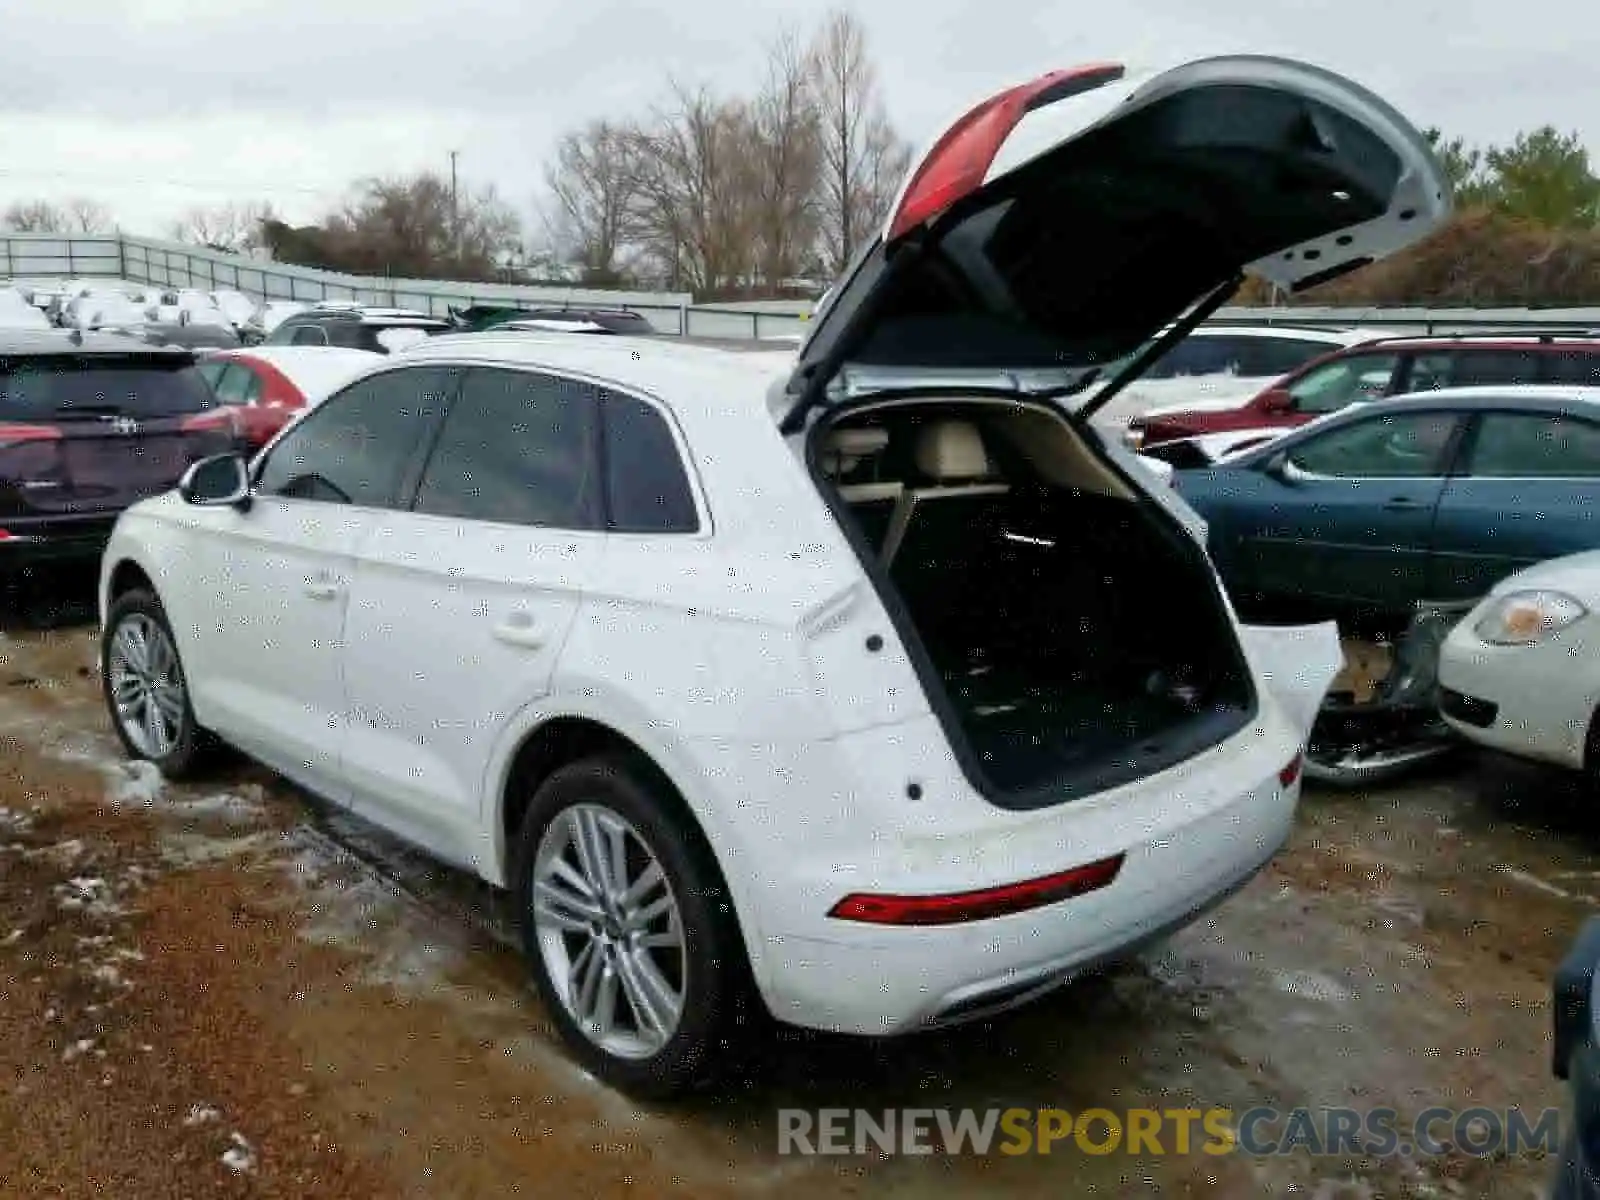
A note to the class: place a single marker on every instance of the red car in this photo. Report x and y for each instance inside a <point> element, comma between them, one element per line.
<point>1383,367</point>
<point>265,386</point>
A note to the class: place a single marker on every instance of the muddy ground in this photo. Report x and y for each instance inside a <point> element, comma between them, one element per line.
<point>223,990</point>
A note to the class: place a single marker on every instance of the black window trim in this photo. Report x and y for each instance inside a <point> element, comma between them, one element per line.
<point>704,525</point>
<point>410,475</point>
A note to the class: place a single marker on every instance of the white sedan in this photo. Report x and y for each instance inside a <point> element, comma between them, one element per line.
<point>1521,672</point>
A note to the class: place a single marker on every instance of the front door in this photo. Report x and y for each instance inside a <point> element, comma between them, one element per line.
<point>277,579</point>
<point>1348,519</point>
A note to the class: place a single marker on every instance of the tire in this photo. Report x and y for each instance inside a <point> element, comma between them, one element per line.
<point>622,1035</point>
<point>137,616</point>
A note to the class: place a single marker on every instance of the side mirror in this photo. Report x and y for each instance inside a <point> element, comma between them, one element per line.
<point>221,481</point>
<point>1278,400</point>
<point>1282,468</point>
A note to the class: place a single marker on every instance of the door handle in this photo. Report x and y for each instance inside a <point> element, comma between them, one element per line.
<point>1398,502</point>
<point>520,631</point>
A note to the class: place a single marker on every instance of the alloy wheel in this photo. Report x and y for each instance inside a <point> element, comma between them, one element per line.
<point>146,685</point>
<point>609,931</point>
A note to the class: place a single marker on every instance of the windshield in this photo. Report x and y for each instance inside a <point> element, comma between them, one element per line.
<point>63,386</point>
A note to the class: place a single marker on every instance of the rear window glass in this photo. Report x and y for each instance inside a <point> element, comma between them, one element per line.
<point>56,387</point>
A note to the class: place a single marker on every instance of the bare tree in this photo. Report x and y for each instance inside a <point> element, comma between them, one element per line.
<point>863,159</point>
<point>593,189</point>
<point>786,163</point>
<point>35,216</point>
<point>89,216</point>
<point>416,226</point>
<point>694,189</point>
<point>236,228</point>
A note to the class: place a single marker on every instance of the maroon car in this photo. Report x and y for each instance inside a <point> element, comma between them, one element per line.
<point>89,424</point>
<point>1384,367</point>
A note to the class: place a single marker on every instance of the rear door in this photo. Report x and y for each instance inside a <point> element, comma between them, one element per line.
<point>462,601</point>
<point>127,427</point>
<point>1349,520</point>
<point>1527,489</point>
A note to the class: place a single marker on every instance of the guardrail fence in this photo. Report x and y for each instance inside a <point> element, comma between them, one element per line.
<point>174,264</point>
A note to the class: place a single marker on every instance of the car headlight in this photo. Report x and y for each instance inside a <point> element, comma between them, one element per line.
<point>1524,618</point>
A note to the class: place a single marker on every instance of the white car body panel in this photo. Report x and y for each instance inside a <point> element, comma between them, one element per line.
<point>1547,694</point>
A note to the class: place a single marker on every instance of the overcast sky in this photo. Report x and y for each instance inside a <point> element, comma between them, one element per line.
<point>155,106</point>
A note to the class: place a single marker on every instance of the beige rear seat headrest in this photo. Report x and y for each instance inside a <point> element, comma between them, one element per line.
<point>952,450</point>
<point>845,448</point>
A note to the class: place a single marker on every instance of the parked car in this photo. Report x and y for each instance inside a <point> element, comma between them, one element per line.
<point>17,313</point>
<point>193,336</point>
<point>867,701</point>
<point>1434,497</point>
<point>1575,1059</point>
<point>234,305</point>
<point>268,386</point>
<point>103,310</point>
<point>1387,367</point>
<point>1222,366</point>
<point>90,423</point>
<point>479,317</point>
<point>268,315</point>
<point>1521,672</point>
<point>353,327</point>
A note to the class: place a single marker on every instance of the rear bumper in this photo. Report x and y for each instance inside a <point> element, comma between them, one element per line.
<point>34,542</point>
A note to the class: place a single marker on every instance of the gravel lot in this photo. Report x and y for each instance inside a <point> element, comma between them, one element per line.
<point>219,989</point>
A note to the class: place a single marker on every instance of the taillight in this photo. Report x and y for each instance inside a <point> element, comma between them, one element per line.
<point>956,907</point>
<point>217,420</point>
<point>958,163</point>
<point>11,435</point>
<point>1291,771</point>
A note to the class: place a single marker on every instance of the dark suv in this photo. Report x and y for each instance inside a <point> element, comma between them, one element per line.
<point>1385,367</point>
<point>353,327</point>
<point>89,424</point>
<point>481,317</point>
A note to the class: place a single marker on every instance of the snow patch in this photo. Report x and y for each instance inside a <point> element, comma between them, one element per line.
<point>238,1157</point>
<point>78,1049</point>
<point>1533,881</point>
<point>1309,985</point>
<point>136,782</point>
<point>201,1114</point>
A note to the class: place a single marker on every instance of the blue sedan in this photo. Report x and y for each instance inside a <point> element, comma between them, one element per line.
<point>1434,497</point>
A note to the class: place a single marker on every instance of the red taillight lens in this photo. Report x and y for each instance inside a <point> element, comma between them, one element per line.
<point>1291,771</point>
<point>957,907</point>
<point>11,434</point>
<point>217,420</point>
<point>956,166</point>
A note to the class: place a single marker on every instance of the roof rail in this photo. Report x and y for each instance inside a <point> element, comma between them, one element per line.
<point>1489,335</point>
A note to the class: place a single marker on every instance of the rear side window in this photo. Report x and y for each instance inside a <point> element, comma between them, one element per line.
<point>238,385</point>
<point>1473,367</point>
<point>308,335</point>
<point>517,448</point>
<point>1274,356</point>
<point>1349,380</point>
<point>647,489</point>
<point>1535,446</point>
<point>60,386</point>
<point>1578,367</point>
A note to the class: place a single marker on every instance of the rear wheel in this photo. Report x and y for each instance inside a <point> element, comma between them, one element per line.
<point>629,929</point>
<point>145,687</point>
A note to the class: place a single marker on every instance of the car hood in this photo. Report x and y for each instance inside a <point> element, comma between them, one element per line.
<point>1059,225</point>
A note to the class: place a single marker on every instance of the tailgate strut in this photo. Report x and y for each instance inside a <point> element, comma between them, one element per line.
<point>1179,329</point>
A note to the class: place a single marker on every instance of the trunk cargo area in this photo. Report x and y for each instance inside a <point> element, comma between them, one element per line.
<point>1071,636</point>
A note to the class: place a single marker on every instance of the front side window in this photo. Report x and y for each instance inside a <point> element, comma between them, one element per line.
<point>517,448</point>
<point>238,385</point>
<point>1535,446</point>
<point>357,446</point>
<point>1352,379</point>
<point>1409,446</point>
